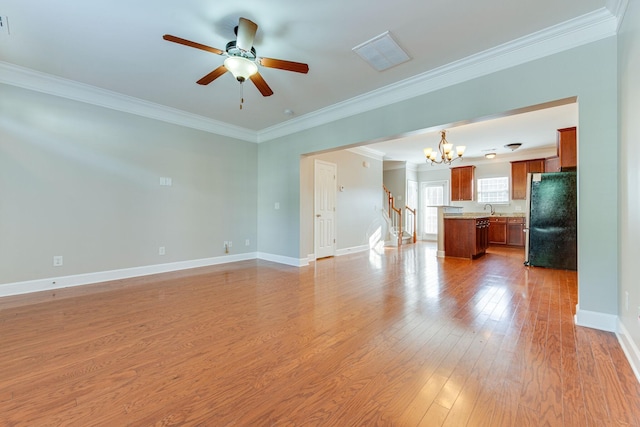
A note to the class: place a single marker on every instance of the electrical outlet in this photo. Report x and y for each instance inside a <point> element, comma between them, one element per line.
<point>277,205</point>
<point>230,243</point>
<point>161,250</point>
<point>57,260</point>
<point>247,242</point>
<point>4,25</point>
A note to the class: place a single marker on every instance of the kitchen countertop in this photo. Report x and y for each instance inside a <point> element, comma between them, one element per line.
<point>466,216</point>
<point>476,215</point>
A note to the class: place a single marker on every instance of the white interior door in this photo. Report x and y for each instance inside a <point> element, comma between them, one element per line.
<point>433,193</point>
<point>325,208</point>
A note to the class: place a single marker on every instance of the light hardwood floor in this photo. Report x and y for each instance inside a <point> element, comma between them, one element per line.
<point>399,338</point>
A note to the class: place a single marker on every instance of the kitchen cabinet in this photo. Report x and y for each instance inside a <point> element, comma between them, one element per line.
<point>466,237</point>
<point>515,231</point>
<point>552,164</point>
<point>462,183</point>
<point>519,171</point>
<point>567,148</point>
<point>498,230</point>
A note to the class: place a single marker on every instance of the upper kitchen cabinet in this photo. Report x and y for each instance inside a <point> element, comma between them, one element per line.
<point>519,171</point>
<point>462,183</point>
<point>552,164</point>
<point>567,148</point>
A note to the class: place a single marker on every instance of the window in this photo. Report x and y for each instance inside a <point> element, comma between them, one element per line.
<point>493,190</point>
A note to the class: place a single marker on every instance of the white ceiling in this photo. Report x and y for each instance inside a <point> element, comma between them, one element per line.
<point>535,129</point>
<point>117,46</point>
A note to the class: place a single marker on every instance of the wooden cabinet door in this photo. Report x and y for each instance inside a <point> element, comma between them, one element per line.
<point>567,147</point>
<point>462,183</point>
<point>498,231</point>
<point>552,164</point>
<point>535,166</point>
<point>518,180</point>
<point>519,171</point>
<point>466,183</point>
<point>455,184</point>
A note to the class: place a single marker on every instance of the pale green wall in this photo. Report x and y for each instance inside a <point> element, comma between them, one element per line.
<point>82,181</point>
<point>358,207</point>
<point>629,62</point>
<point>588,72</point>
<point>396,182</point>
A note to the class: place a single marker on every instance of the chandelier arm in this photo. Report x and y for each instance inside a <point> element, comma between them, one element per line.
<point>445,158</point>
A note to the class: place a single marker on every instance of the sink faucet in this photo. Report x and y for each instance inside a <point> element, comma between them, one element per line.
<point>493,212</point>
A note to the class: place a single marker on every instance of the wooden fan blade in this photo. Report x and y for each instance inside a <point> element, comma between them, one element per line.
<point>246,33</point>
<point>212,75</point>
<point>262,86</point>
<point>189,43</point>
<point>297,67</point>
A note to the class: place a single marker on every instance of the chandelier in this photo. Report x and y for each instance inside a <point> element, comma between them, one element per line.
<point>444,154</point>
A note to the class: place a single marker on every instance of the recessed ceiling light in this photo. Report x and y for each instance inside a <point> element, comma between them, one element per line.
<point>288,112</point>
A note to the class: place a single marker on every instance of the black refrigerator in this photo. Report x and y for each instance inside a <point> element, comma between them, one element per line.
<point>551,221</point>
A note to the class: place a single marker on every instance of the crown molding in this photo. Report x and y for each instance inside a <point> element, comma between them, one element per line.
<point>390,165</point>
<point>618,8</point>
<point>582,30</point>
<point>34,80</point>
<point>576,32</point>
<point>367,152</point>
<point>412,167</point>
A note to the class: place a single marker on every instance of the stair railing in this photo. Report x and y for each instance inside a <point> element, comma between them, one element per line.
<point>395,214</point>
<point>412,225</point>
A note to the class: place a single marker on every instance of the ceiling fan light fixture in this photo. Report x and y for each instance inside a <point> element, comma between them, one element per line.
<point>240,67</point>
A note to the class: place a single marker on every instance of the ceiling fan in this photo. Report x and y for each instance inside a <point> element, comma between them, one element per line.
<point>242,60</point>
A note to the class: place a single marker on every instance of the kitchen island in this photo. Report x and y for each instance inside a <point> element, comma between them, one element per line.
<point>466,235</point>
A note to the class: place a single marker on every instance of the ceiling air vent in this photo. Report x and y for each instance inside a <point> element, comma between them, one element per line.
<point>382,52</point>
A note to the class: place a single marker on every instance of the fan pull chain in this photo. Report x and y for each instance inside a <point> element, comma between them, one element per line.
<point>241,95</point>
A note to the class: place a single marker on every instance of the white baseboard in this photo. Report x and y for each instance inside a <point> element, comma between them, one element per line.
<point>352,250</point>
<point>339,252</point>
<point>630,348</point>
<point>280,259</point>
<point>440,254</point>
<point>596,320</point>
<point>105,276</point>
